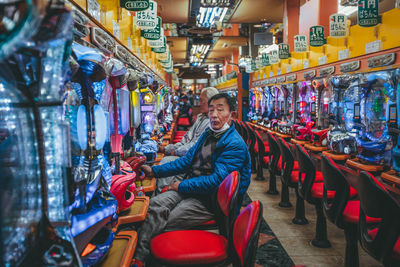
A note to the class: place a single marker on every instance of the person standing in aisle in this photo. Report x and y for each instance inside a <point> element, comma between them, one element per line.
<point>174,151</point>
<point>185,109</point>
<point>218,152</point>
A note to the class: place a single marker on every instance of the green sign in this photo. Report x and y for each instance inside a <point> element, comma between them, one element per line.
<point>368,13</point>
<point>317,36</point>
<point>135,5</point>
<point>274,57</point>
<point>159,50</point>
<point>284,51</point>
<point>253,65</point>
<point>152,34</point>
<point>265,60</point>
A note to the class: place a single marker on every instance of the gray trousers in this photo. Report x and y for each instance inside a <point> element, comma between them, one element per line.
<point>169,211</point>
<point>163,182</point>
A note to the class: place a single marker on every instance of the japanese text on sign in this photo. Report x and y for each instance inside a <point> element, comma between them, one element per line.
<point>338,25</point>
<point>135,5</point>
<point>317,36</point>
<point>300,43</point>
<point>368,13</point>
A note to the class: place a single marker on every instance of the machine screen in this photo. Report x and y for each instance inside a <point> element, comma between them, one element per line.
<point>147,108</point>
<point>356,111</point>
<point>313,107</point>
<point>392,114</point>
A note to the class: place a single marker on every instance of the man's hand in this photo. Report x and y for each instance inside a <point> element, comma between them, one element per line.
<point>148,171</point>
<point>174,186</point>
<point>161,149</point>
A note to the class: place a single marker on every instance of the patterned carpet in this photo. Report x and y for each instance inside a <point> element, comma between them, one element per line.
<point>270,252</point>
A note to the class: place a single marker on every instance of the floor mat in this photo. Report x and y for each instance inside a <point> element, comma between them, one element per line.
<point>270,252</point>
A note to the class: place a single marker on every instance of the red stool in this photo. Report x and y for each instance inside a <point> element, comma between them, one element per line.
<point>311,189</point>
<point>196,247</point>
<point>340,210</point>
<point>273,164</point>
<point>383,242</point>
<point>290,178</point>
<point>227,200</point>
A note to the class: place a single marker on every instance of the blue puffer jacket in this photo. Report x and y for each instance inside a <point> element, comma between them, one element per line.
<point>231,154</point>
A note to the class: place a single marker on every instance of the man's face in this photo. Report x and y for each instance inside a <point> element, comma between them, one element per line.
<point>219,113</point>
<point>203,103</point>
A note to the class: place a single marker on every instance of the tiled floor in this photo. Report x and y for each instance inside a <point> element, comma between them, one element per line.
<point>296,238</point>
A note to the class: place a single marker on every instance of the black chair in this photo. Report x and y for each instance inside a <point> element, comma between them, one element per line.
<point>383,242</point>
<point>290,178</point>
<point>311,189</point>
<point>340,210</point>
<point>262,149</point>
<point>252,138</point>
<point>274,166</point>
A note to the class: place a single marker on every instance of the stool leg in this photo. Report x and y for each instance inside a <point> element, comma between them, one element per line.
<point>272,184</point>
<point>300,217</point>
<point>321,237</point>
<point>260,172</point>
<point>253,162</point>
<point>285,202</point>
<point>351,258</point>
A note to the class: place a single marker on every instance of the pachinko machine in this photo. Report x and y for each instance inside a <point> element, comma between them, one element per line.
<point>35,227</point>
<point>306,106</point>
<point>286,108</point>
<point>256,104</point>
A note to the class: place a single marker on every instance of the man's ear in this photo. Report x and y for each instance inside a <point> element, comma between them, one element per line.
<point>234,114</point>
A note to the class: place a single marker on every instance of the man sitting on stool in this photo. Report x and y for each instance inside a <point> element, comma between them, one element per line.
<point>188,203</point>
<point>174,151</point>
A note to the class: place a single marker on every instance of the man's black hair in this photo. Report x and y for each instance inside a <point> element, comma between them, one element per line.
<point>184,97</point>
<point>231,102</point>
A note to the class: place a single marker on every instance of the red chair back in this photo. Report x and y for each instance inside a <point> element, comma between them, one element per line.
<point>227,199</point>
<point>246,230</point>
<point>334,180</point>
<point>375,201</point>
<point>274,153</point>
<point>306,170</point>
<point>287,160</point>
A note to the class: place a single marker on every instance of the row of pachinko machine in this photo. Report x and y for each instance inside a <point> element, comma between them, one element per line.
<point>353,115</point>
<point>69,114</point>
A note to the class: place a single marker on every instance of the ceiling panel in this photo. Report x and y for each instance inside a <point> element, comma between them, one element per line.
<point>255,11</point>
<point>229,43</point>
<point>174,11</point>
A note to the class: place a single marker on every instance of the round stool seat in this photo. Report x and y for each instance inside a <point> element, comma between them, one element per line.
<point>189,247</point>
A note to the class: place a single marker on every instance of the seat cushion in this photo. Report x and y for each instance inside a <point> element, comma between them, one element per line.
<point>180,133</point>
<point>352,210</point>
<point>317,191</point>
<point>189,247</point>
<point>295,176</point>
<point>183,122</point>
<point>296,166</point>
<point>266,148</point>
<point>396,250</point>
<point>279,165</point>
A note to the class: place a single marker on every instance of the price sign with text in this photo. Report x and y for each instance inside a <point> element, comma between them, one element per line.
<point>152,34</point>
<point>265,60</point>
<point>317,36</point>
<point>338,25</point>
<point>300,43</point>
<point>274,57</point>
<point>147,19</point>
<point>368,13</point>
<point>158,43</point>
<point>135,5</point>
<point>284,51</point>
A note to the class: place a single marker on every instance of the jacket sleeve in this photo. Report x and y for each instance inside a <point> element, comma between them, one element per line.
<point>233,158</point>
<point>177,166</point>
<point>187,143</point>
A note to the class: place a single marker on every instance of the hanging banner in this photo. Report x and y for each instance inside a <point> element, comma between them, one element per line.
<point>274,57</point>
<point>163,56</point>
<point>158,43</point>
<point>284,51</point>
<point>147,19</point>
<point>152,34</point>
<point>300,43</point>
<point>159,50</point>
<point>265,60</point>
<point>317,36</point>
<point>259,63</point>
<point>135,5</point>
<point>94,9</point>
<point>338,25</point>
<point>368,13</point>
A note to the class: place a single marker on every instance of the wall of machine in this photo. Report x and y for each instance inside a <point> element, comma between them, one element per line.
<point>77,120</point>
